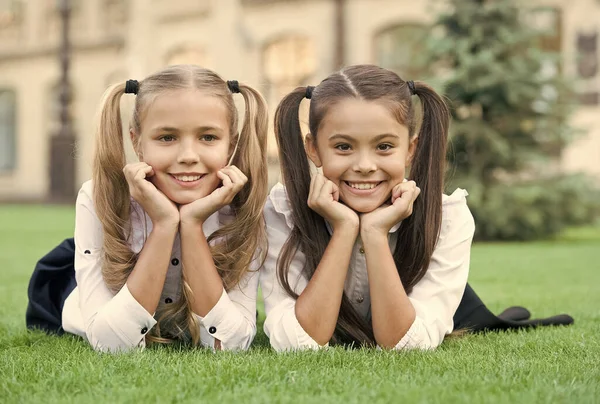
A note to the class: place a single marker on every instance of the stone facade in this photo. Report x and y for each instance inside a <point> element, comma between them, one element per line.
<point>270,44</point>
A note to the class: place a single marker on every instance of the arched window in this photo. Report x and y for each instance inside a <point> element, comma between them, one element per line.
<point>187,54</point>
<point>398,48</point>
<point>8,129</point>
<point>288,62</point>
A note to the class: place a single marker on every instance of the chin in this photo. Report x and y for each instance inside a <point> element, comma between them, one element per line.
<point>363,206</point>
<point>183,198</point>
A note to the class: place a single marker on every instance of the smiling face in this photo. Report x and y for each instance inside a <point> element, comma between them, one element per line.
<point>185,138</point>
<point>362,149</point>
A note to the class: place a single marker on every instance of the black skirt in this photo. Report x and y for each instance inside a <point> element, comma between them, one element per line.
<point>53,280</point>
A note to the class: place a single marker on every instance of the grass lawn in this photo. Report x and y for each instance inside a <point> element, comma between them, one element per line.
<point>548,365</point>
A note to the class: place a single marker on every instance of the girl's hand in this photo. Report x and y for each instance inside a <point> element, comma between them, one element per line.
<point>160,208</point>
<point>323,198</point>
<point>382,219</point>
<point>199,210</point>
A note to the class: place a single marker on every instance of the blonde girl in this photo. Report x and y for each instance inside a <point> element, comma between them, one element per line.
<point>166,249</point>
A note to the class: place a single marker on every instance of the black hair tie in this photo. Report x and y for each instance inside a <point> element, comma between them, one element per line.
<point>132,87</point>
<point>411,87</point>
<point>234,86</point>
<point>309,91</point>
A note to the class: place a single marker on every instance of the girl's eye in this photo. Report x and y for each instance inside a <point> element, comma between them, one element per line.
<point>209,138</point>
<point>343,147</point>
<point>166,138</point>
<point>384,147</point>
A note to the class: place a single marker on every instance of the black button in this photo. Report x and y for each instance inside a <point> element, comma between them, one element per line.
<point>168,300</point>
<point>212,330</point>
<point>175,261</point>
<point>144,330</point>
<point>87,252</point>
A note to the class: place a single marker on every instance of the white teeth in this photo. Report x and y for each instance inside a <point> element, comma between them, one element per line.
<point>188,178</point>
<point>363,185</point>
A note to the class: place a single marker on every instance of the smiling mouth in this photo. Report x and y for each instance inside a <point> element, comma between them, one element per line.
<point>363,186</point>
<point>187,178</point>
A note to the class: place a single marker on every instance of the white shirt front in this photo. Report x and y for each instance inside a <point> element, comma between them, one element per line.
<point>435,297</point>
<point>117,322</point>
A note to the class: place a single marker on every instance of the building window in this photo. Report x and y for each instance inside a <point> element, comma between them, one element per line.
<point>187,55</point>
<point>397,48</point>
<point>287,62</point>
<point>587,67</point>
<point>52,22</point>
<point>12,13</point>
<point>115,13</point>
<point>8,130</point>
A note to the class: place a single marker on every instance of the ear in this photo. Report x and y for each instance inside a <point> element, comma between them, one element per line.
<point>135,143</point>
<point>310,146</point>
<point>412,148</point>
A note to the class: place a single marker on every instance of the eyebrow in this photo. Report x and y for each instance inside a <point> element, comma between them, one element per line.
<point>198,129</point>
<point>377,138</point>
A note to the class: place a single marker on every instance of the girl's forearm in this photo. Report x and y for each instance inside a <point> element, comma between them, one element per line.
<point>199,269</point>
<point>146,281</point>
<point>318,307</point>
<point>391,310</point>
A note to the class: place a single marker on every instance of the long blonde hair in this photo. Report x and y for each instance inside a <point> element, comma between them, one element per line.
<point>234,245</point>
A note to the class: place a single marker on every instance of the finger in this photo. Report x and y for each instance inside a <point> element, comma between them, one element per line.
<point>415,195</point>
<point>402,188</point>
<point>227,183</point>
<point>336,192</point>
<point>326,190</point>
<point>406,200</point>
<point>143,172</point>
<point>239,172</point>
<point>237,177</point>
<point>131,169</point>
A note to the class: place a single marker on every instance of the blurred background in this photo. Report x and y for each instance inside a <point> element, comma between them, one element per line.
<point>522,79</point>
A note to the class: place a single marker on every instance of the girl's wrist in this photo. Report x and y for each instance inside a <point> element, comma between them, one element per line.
<point>347,226</point>
<point>368,233</point>
<point>165,226</point>
<point>192,222</point>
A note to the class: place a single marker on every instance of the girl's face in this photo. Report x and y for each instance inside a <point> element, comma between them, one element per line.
<point>362,149</point>
<point>185,139</point>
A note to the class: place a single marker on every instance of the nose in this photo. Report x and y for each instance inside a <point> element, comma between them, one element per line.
<point>365,163</point>
<point>187,153</point>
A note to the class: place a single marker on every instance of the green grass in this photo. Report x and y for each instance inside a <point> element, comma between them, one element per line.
<point>546,365</point>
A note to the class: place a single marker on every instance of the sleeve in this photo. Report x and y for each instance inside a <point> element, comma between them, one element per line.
<point>112,322</point>
<point>233,319</point>
<point>437,296</point>
<point>282,326</point>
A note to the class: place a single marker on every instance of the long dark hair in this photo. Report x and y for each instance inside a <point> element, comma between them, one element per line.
<point>418,233</point>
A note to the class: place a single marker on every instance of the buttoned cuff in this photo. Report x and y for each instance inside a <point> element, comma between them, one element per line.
<point>124,317</point>
<point>222,322</point>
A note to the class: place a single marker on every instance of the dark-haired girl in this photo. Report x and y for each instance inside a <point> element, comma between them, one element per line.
<point>378,256</point>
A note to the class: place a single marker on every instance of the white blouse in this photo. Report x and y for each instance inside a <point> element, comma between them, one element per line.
<point>117,322</point>
<point>435,297</point>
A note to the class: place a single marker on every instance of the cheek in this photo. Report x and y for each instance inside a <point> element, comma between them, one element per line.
<point>395,167</point>
<point>333,167</point>
<point>154,157</point>
<point>215,159</point>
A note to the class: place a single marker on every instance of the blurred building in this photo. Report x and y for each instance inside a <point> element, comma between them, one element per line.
<point>273,45</point>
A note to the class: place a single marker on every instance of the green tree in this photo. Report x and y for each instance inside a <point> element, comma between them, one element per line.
<point>510,108</point>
